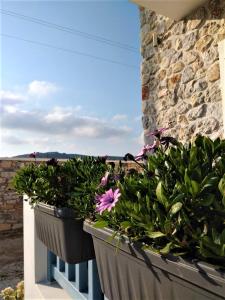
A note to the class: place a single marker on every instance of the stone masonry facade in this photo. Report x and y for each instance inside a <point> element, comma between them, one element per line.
<point>11,205</point>
<point>180,72</point>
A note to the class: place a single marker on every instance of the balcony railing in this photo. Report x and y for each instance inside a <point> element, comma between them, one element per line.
<point>81,281</point>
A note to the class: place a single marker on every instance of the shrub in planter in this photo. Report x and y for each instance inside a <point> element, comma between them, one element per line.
<point>57,190</point>
<point>174,208</point>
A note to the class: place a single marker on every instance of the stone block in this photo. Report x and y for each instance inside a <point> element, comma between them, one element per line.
<point>213,73</point>
<point>17,226</point>
<point>189,40</point>
<point>6,164</point>
<point>197,112</point>
<point>178,28</point>
<point>190,57</point>
<point>193,24</point>
<point>204,43</point>
<point>188,74</point>
<point>145,92</point>
<point>178,67</point>
<point>4,227</point>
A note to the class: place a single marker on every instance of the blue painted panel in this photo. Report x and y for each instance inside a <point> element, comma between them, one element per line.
<point>69,286</point>
<point>60,264</point>
<point>80,281</point>
<point>82,277</point>
<point>70,272</point>
<point>51,260</point>
<point>94,288</point>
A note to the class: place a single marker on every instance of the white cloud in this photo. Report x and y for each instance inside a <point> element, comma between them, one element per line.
<point>119,117</point>
<point>62,121</point>
<point>58,114</point>
<point>41,88</point>
<point>12,140</point>
<point>11,97</point>
<point>10,108</point>
<point>38,89</point>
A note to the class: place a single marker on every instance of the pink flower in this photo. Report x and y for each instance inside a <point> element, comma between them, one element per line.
<point>104,179</point>
<point>107,200</point>
<point>157,133</point>
<point>147,148</point>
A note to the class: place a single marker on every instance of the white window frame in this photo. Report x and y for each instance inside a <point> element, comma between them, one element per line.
<point>222,77</point>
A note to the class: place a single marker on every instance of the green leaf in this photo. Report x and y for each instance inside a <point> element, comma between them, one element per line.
<point>160,194</point>
<point>207,200</point>
<point>166,249</point>
<point>100,224</point>
<point>125,224</point>
<point>175,208</point>
<point>155,234</point>
<point>221,186</point>
<point>195,187</point>
<point>223,237</point>
<point>223,201</point>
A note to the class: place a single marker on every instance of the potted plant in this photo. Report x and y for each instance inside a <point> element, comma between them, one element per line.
<point>160,233</point>
<point>56,191</point>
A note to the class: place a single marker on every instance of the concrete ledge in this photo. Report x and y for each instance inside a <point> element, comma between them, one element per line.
<point>222,77</point>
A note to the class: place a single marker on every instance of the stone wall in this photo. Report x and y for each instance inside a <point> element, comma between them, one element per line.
<point>180,71</point>
<point>11,205</point>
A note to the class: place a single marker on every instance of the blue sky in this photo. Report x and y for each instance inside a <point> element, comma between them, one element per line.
<point>54,100</point>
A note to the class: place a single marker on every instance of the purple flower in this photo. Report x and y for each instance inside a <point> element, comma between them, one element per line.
<point>104,179</point>
<point>147,148</point>
<point>107,200</point>
<point>157,133</point>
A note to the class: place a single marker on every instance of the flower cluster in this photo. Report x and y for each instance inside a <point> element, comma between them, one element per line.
<point>109,198</point>
<point>175,203</point>
<point>107,201</point>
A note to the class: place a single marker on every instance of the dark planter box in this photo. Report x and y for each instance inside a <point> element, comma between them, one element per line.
<point>130,273</point>
<point>58,229</point>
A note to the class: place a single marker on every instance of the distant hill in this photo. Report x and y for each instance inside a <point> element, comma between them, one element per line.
<point>59,155</point>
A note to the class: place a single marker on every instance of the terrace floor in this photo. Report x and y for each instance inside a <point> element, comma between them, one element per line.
<point>11,259</point>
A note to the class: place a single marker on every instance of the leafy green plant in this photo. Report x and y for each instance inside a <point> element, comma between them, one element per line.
<point>67,184</point>
<point>177,203</point>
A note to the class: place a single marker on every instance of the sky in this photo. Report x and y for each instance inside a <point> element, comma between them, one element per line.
<point>70,77</point>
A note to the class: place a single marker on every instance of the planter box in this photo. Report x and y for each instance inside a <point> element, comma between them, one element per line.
<point>58,229</point>
<point>131,273</point>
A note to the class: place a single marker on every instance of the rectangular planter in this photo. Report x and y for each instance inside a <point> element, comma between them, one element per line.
<point>58,229</point>
<point>130,273</point>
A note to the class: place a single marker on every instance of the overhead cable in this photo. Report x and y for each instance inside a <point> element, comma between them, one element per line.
<point>70,30</point>
<point>68,50</point>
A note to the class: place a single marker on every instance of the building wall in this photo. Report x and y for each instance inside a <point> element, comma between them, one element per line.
<point>11,205</point>
<point>181,73</point>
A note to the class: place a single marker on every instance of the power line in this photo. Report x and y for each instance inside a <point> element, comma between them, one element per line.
<point>70,30</point>
<point>68,50</point>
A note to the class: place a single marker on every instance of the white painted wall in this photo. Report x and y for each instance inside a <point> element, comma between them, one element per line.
<point>222,76</point>
<point>35,263</point>
<point>174,9</point>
